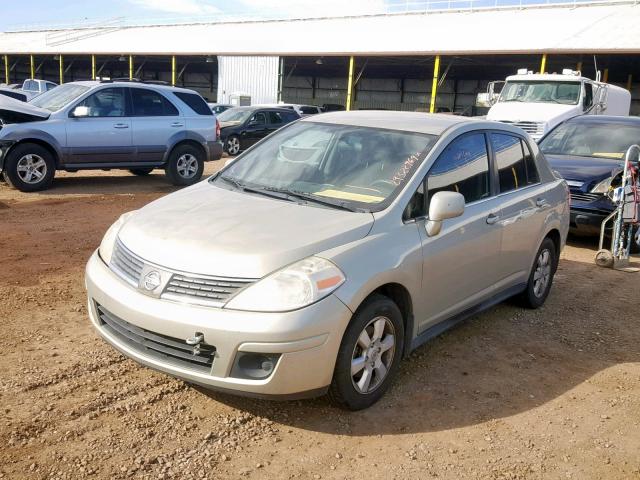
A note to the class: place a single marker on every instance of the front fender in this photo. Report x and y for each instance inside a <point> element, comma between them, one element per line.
<point>30,135</point>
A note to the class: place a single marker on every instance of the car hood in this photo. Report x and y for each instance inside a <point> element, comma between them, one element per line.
<point>529,112</point>
<point>229,124</point>
<point>210,230</point>
<point>11,108</point>
<point>584,169</point>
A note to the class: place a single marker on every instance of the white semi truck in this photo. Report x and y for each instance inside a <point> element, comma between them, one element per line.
<point>537,102</point>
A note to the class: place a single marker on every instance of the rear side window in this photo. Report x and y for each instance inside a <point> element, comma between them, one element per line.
<point>275,118</point>
<point>308,110</point>
<point>463,167</point>
<point>195,102</point>
<point>290,117</point>
<point>147,103</point>
<point>516,168</point>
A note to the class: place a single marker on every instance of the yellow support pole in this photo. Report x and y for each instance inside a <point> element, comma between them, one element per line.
<point>173,70</point>
<point>579,67</point>
<point>6,69</point>
<point>434,85</point>
<point>350,83</point>
<point>33,66</point>
<point>629,82</point>
<point>543,64</point>
<point>61,60</point>
<point>130,67</point>
<point>93,67</point>
<point>605,77</point>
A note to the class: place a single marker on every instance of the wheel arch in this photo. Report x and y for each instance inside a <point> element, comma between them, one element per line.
<point>190,142</point>
<point>37,141</point>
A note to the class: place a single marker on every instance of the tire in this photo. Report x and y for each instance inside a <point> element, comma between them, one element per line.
<point>185,165</point>
<point>541,276</point>
<point>141,171</point>
<point>232,145</point>
<point>29,167</point>
<point>353,391</point>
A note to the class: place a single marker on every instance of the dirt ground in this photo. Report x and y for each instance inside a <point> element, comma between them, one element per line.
<point>509,394</point>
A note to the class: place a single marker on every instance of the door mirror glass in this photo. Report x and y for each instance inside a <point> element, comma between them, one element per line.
<point>443,205</point>
<point>80,112</point>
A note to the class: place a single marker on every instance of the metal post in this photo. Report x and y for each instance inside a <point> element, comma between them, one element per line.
<point>280,78</point>
<point>6,69</point>
<point>93,67</point>
<point>543,64</point>
<point>629,82</point>
<point>579,67</point>
<point>33,66</point>
<point>605,77</point>
<point>173,70</point>
<point>434,85</point>
<point>61,61</point>
<point>130,67</point>
<point>350,83</point>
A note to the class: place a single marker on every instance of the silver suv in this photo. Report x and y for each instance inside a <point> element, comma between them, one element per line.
<point>102,125</point>
<point>345,241</point>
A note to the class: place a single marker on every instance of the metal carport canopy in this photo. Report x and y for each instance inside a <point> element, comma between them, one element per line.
<point>597,28</point>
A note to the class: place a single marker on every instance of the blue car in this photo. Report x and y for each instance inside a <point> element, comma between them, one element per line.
<point>588,152</point>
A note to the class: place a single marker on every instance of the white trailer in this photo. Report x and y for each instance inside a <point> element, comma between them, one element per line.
<point>538,102</point>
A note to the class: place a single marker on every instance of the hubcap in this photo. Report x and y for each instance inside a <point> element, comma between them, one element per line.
<point>373,355</point>
<point>233,145</point>
<point>31,168</point>
<point>187,166</point>
<point>542,273</point>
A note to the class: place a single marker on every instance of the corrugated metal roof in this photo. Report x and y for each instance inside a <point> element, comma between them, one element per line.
<point>560,29</point>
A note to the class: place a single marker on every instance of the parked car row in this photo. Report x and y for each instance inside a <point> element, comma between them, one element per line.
<point>28,90</point>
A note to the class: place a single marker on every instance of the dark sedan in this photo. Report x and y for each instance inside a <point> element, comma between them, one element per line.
<point>241,127</point>
<point>588,151</point>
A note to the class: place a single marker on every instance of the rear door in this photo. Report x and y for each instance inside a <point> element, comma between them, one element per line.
<point>104,136</point>
<point>275,120</point>
<point>155,120</point>
<point>459,263</point>
<point>256,129</point>
<point>524,205</point>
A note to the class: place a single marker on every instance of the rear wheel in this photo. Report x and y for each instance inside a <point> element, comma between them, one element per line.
<point>232,145</point>
<point>185,166</point>
<point>141,171</point>
<point>29,167</point>
<point>369,355</point>
<point>541,276</point>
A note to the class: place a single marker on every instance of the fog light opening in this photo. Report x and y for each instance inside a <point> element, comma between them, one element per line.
<point>254,366</point>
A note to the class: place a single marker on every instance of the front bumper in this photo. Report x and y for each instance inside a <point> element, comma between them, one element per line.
<point>585,222</point>
<point>214,150</point>
<point>307,340</point>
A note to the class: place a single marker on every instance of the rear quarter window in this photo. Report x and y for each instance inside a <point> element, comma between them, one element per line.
<point>195,102</point>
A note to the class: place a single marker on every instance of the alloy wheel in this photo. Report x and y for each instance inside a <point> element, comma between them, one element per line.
<point>31,168</point>
<point>187,165</point>
<point>373,355</point>
<point>233,146</point>
<point>542,273</point>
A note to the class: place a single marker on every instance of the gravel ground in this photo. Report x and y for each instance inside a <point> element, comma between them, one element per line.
<point>509,394</point>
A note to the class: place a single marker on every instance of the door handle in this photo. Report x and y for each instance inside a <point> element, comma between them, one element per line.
<point>120,125</point>
<point>492,218</point>
<point>541,202</point>
<point>177,124</point>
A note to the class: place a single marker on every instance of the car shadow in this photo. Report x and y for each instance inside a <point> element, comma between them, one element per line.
<point>497,364</point>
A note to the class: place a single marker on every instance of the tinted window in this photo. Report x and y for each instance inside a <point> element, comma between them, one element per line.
<point>147,103</point>
<point>50,85</point>
<point>516,168</point>
<point>588,95</point>
<point>109,102</point>
<point>274,117</point>
<point>463,167</point>
<point>290,117</point>
<point>195,102</point>
<point>307,110</point>
<point>416,207</point>
<point>259,118</point>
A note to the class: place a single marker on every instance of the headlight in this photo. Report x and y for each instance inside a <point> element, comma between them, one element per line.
<point>296,286</point>
<point>603,186</point>
<point>109,239</point>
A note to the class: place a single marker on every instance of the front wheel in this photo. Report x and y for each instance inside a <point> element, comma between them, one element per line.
<point>369,355</point>
<point>185,165</point>
<point>541,276</point>
<point>232,145</point>
<point>29,167</point>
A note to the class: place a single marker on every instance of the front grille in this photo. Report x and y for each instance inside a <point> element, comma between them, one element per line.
<point>205,290</point>
<point>532,128</point>
<point>585,197</point>
<point>126,264</point>
<point>161,347</point>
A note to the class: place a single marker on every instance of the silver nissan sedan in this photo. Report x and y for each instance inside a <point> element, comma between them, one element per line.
<point>324,254</point>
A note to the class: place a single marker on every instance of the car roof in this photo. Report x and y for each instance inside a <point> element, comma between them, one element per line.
<point>263,107</point>
<point>433,124</point>
<point>616,120</point>
<point>96,83</point>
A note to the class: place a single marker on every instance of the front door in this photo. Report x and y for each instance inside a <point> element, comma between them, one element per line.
<point>104,136</point>
<point>459,264</point>
<point>257,128</point>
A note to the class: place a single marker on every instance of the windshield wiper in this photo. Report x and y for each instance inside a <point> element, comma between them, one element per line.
<point>311,198</point>
<point>256,189</point>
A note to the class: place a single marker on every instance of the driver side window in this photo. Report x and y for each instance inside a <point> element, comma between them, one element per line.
<point>109,102</point>
<point>588,96</point>
<point>258,119</point>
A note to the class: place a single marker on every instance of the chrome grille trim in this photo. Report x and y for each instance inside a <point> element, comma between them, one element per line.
<point>586,197</point>
<point>127,265</point>
<point>214,291</point>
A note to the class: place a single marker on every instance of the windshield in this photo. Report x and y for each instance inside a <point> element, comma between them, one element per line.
<point>235,115</point>
<point>349,166</point>
<point>56,98</point>
<point>600,140</point>
<point>566,93</point>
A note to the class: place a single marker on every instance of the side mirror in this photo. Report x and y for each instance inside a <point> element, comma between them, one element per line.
<point>443,205</point>
<point>80,112</point>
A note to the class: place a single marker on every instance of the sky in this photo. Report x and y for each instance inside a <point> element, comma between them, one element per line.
<point>17,15</point>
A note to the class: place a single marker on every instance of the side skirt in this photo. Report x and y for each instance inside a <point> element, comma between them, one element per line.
<point>445,325</point>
